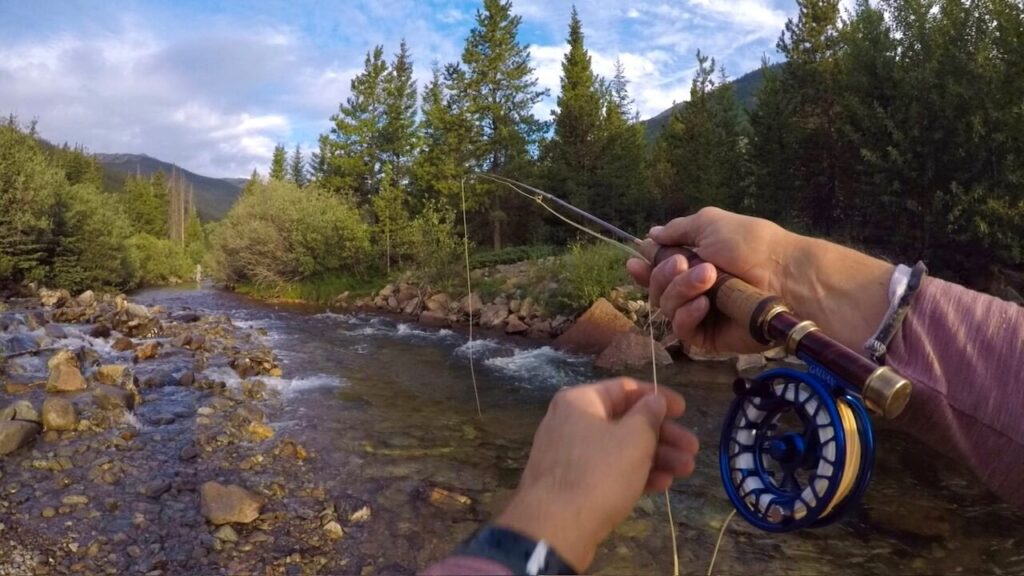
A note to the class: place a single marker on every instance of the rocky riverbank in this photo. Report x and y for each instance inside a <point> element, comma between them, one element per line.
<point>123,449</point>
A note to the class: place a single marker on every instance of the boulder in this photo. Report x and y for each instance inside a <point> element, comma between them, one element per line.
<point>540,330</point>
<point>434,318</point>
<point>387,291</point>
<point>406,292</point>
<point>87,298</point>
<point>493,315</point>
<point>393,304</point>
<point>146,350</point>
<point>55,331</point>
<point>413,306</point>
<point>222,504</point>
<point>16,433</point>
<point>62,357</point>
<point>113,374</point>
<point>100,330</point>
<point>526,308</point>
<point>123,344</point>
<point>631,350</point>
<point>137,311</point>
<point>59,414</point>
<point>112,397</point>
<point>53,298</point>
<point>595,329</point>
<point>515,326</point>
<point>437,303</point>
<point>65,378</point>
<point>474,301</point>
<point>20,410</point>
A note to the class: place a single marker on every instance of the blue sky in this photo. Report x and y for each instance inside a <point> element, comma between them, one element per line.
<point>212,85</point>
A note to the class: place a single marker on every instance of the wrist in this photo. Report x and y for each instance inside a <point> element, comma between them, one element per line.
<point>557,522</point>
<point>843,291</point>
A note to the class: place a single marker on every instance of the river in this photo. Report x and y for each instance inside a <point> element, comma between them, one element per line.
<point>388,409</point>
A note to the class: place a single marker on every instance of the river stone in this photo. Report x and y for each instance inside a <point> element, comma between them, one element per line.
<point>493,315</point>
<point>334,530</point>
<point>526,308</point>
<point>20,410</point>
<point>595,329</point>
<point>137,311</point>
<point>113,374</point>
<point>387,291</point>
<point>540,330</point>
<point>112,397</point>
<point>59,414</point>
<point>146,350</point>
<point>65,378</point>
<point>475,301</point>
<point>62,357</point>
<point>631,350</point>
<point>438,302</point>
<point>55,331</point>
<point>87,298</point>
<point>222,504</point>
<point>123,344</point>
<point>100,330</point>
<point>515,326</point>
<point>226,534</point>
<point>258,432</point>
<point>53,298</point>
<point>435,318</point>
<point>16,433</point>
<point>406,292</point>
<point>20,342</point>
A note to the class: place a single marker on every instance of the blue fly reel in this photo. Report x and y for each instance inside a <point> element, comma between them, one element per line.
<point>796,449</point>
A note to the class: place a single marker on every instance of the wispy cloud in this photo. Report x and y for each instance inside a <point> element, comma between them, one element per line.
<point>214,87</point>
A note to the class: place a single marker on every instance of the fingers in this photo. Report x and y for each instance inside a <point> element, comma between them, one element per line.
<point>658,481</point>
<point>663,275</point>
<point>687,319</point>
<point>674,462</point>
<point>686,287</point>
<point>650,410</point>
<point>679,438</point>
<point>639,270</point>
<point>685,231</point>
<point>618,395</point>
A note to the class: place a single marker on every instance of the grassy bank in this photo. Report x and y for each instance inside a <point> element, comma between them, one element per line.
<point>321,290</point>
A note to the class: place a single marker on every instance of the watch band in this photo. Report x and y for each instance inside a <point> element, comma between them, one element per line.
<point>518,553</point>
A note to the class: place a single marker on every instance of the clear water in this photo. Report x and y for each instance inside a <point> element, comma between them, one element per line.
<point>388,407</point>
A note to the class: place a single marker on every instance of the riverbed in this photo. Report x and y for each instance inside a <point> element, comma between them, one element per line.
<point>387,409</point>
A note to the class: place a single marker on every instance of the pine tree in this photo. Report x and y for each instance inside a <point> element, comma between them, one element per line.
<point>621,173</point>
<point>279,164</point>
<point>297,168</point>
<point>398,132</point>
<point>390,208</point>
<point>448,137</point>
<point>772,150</point>
<point>810,44</point>
<point>351,150</point>
<point>502,93</point>
<point>255,181</point>
<point>701,149</point>
<point>574,152</point>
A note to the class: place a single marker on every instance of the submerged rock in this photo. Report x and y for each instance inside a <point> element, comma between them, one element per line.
<point>123,344</point>
<point>515,326</point>
<point>20,410</point>
<point>59,414</point>
<point>334,530</point>
<point>112,397</point>
<point>16,433</point>
<point>595,329</point>
<point>493,315</point>
<point>434,318</point>
<point>221,504</point>
<point>100,330</point>
<point>147,350</point>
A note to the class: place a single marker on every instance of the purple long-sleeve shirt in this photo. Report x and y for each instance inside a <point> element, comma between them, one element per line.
<point>964,353</point>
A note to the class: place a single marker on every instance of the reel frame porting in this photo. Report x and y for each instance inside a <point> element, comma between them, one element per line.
<point>820,451</point>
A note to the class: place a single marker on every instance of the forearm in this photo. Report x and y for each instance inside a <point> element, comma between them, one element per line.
<point>964,352</point>
<point>843,291</point>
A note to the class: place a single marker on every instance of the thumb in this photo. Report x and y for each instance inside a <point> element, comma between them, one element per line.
<point>648,413</point>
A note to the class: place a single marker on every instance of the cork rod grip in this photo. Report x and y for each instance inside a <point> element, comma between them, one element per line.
<point>729,295</point>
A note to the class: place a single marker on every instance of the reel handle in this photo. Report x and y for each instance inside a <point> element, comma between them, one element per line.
<point>770,321</point>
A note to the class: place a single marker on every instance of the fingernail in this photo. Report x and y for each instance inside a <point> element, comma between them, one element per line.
<point>655,230</point>
<point>703,274</point>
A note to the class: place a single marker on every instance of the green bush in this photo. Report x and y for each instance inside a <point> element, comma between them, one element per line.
<point>158,260</point>
<point>437,248</point>
<point>588,272</point>
<point>511,255</point>
<point>281,234</point>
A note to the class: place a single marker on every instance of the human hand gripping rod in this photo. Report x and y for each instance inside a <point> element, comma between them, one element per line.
<point>770,321</point>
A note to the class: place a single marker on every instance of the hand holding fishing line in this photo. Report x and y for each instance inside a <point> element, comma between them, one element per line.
<point>598,449</point>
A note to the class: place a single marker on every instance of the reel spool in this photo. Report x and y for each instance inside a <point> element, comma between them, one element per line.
<point>796,449</point>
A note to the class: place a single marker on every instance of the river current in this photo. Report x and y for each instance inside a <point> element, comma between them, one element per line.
<point>388,408</point>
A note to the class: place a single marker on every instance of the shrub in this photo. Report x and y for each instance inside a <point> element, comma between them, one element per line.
<point>437,248</point>
<point>511,255</point>
<point>589,272</point>
<point>281,233</point>
<point>158,260</point>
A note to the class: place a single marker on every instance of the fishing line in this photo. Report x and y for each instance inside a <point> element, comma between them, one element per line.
<point>469,300</point>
